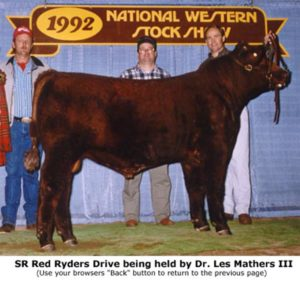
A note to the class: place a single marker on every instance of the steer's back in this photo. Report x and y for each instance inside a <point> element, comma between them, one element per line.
<point>143,121</point>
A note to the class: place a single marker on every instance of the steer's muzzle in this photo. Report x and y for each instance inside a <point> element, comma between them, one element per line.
<point>280,79</point>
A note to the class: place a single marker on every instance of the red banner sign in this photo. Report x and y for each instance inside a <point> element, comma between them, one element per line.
<point>56,25</point>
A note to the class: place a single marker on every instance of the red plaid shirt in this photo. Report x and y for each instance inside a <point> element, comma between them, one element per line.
<point>5,145</point>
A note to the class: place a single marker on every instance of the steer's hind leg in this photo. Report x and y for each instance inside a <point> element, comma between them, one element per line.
<point>55,187</point>
<point>196,187</point>
<point>46,209</point>
<point>63,216</point>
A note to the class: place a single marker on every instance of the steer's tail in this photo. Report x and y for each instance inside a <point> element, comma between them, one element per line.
<point>32,157</point>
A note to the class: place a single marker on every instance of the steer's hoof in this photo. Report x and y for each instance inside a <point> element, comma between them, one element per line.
<point>48,248</point>
<point>224,232</point>
<point>202,228</point>
<point>71,242</point>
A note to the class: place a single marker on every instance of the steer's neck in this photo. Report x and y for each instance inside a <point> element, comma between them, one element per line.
<point>245,86</point>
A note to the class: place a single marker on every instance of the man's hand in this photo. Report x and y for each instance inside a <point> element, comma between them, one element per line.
<point>271,36</point>
<point>2,77</point>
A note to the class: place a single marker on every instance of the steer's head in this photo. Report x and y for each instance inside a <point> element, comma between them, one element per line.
<point>263,62</point>
<point>260,59</point>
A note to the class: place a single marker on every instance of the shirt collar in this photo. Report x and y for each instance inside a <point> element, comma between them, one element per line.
<point>222,53</point>
<point>153,70</point>
<point>29,64</point>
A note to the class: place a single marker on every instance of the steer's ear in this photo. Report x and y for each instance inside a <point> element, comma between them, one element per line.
<point>248,54</point>
<point>241,49</point>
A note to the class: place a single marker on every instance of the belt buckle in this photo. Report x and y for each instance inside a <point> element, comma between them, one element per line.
<point>26,120</point>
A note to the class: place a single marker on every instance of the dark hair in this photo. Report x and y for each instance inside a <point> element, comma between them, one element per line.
<point>146,39</point>
<point>221,29</point>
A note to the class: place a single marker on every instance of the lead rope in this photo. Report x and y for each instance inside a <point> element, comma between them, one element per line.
<point>277,56</point>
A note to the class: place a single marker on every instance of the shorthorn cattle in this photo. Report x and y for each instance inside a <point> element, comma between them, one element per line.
<point>134,125</point>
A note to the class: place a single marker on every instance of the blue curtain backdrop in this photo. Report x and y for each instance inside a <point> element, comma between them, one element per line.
<point>275,151</point>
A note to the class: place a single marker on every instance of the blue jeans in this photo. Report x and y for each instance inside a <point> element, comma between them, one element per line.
<point>17,176</point>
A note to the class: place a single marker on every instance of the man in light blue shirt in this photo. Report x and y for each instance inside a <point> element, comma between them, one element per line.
<point>21,72</point>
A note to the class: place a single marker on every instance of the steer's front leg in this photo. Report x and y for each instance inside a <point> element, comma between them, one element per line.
<point>215,198</point>
<point>196,188</point>
<point>216,211</point>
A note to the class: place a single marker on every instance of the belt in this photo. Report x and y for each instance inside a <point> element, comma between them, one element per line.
<point>22,119</point>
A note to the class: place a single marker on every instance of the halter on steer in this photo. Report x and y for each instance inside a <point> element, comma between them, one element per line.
<point>272,51</point>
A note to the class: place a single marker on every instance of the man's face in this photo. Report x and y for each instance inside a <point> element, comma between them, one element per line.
<point>214,40</point>
<point>146,53</point>
<point>22,44</point>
